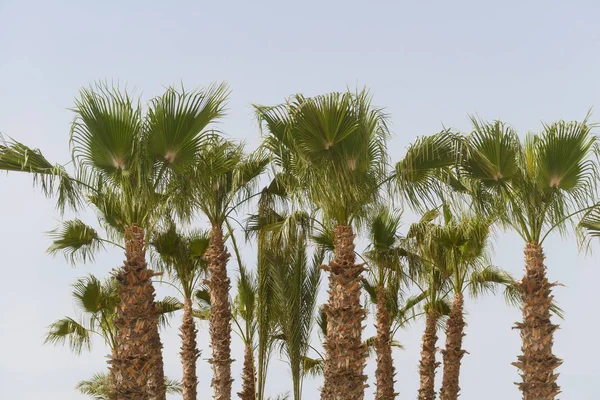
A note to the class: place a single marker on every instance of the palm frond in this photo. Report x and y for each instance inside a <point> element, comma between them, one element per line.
<point>79,242</point>
<point>53,179</point>
<point>71,331</point>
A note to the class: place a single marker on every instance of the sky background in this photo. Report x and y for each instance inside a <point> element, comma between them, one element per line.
<point>429,63</point>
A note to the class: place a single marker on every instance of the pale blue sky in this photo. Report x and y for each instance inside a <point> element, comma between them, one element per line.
<point>430,63</point>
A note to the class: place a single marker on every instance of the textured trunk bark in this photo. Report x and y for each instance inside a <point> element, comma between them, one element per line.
<point>136,322</point>
<point>453,353</point>
<point>189,352</point>
<point>220,315</point>
<point>112,380</point>
<point>248,375</point>
<point>345,352</point>
<point>383,346</point>
<point>537,363</point>
<point>428,365</point>
<point>156,380</point>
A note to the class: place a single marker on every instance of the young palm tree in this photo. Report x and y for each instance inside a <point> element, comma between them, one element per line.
<point>97,302</point>
<point>385,288</point>
<point>245,310</point>
<point>183,258</point>
<point>296,285</point>
<point>534,187</point>
<point>464,242</point>
<point>222,180</point>
<point>124,164</point>
<point>430,279</point>
<point>337,145</point>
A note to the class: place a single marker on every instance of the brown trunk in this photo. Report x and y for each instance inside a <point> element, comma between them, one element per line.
<point>248,375</point>
<point>345,352</point>
<point>189,352</point>
<point>135,323</point>
<point>383,346</point>
<point>453,353</point>
<point>112,381</point>
<point>428,365</point>
<point>537,363</point>
<point>156,379</point>
<point>220,315</point>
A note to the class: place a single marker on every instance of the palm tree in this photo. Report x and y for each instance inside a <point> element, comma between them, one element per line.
<point>535,188</point>
<point>464,242</point>
<point>296,285</point>
<point>337,145</point>
<point>221,181</point>
<point>245,310</point>
<point>97,302</point>
<point>183,258</point>
<point>385,288</point>
<point>124,165</point>
<point>430,279</point>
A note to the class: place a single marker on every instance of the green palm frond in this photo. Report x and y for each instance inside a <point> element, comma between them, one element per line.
<point>79,242</point>
<point>426,165</point>
<point>53,179</point>
<point>178,124</point>
<point>370,342</point>
<point>106,130</point>
<point>98,387</point>
<point>313,367</point>
<point>166,308</point>
<point>487,280</point>
<point>68,330</point>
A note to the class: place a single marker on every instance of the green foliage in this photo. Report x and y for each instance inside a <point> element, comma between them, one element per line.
<point>98,387</point>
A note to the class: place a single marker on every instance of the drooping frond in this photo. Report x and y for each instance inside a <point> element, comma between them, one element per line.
<point>53,179</point>
<point>76,240</point>
<point>166,308</point>
<point>98,387</point>
<point>68,330</point>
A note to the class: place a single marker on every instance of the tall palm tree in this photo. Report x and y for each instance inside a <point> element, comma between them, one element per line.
<point>124,163</point>
<point>183,258</point>
<point>222,180</point>
<point>337,145</point>
<point>534,187</point>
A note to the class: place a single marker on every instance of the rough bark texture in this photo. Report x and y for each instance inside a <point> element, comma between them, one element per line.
<point>248,375</point>
<point>112,381</point>
<point>156,379</point>
<point>220,315</point>
<point>135,323</point>
<point>345,352</point>
<point>428,365</point>
<point>537,363</point>
<point>189,352</point>
<point>383,346</point>
<point>453,353</point>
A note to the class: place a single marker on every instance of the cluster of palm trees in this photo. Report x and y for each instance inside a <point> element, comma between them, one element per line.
<point>321,178</point>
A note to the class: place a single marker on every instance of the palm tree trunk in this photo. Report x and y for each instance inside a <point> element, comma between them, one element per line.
<point>537,363</point>
<point>248,375</point>
<point>157,389</point>
<point>453,352</point>
<point>112,380</point>
<point>428,365</point>
<point>220,315</point>
<point>135,323</point>
<point>383,347</point>
<point>189,352</point>
<point>345,352</point>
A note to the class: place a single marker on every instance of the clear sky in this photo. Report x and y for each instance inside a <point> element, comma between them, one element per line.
<point>429,63</point>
